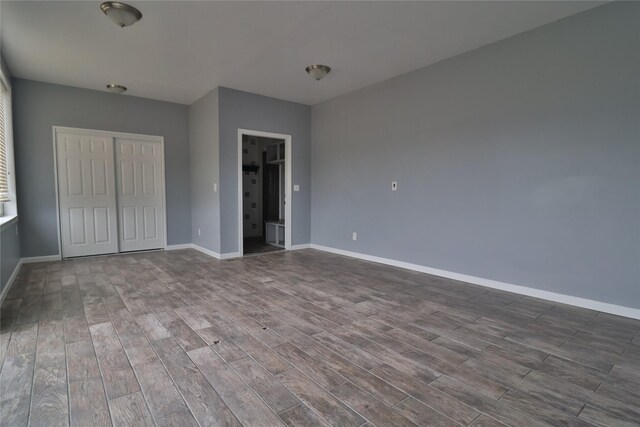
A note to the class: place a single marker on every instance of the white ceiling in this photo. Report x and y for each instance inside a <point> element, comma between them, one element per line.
<point>180,50</point>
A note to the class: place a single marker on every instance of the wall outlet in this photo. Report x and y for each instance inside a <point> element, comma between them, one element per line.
<point>199,232</point>
<point>354,236</point>
<point>394,185</point>
<point>296,187</point>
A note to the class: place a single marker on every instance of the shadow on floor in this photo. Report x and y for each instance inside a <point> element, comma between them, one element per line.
<point>257,245</point>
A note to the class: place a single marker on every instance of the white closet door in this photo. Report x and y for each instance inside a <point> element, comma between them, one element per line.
<point>140,187</point>
<point>86,195</point>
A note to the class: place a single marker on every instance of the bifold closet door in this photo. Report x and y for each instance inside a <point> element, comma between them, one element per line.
<point>140,188</point>
<point>86,195</point>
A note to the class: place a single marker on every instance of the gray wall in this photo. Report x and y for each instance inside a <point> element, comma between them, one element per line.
<point>518,162</point>
<point>39,106</point>
<point>204,146</point>
<point>9,253</point>
<point>255,112</point>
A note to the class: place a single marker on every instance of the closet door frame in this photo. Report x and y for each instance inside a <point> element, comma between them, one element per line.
<point>113,136</point>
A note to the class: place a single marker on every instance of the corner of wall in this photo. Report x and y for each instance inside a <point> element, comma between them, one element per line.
<point>205,186</point>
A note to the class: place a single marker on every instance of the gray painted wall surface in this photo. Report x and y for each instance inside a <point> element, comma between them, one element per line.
<point>9,253</point>
<point>204,146</point>
<point>248,111</point>
<point>518,162</point>
<point>39,106</point>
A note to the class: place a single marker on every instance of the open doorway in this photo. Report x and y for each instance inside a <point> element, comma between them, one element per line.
<point>264,164</point>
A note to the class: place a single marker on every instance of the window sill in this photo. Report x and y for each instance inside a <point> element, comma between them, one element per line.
<point>7,221</point>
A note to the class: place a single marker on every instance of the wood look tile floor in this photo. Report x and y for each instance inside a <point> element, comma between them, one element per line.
<point>301,338</point>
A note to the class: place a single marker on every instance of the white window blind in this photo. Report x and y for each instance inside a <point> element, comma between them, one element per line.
<point>4,181</point>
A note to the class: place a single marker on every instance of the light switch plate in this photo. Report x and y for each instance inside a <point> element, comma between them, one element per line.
<point>394,185</point>
<point>354,236</point>
<point>296,187</point>
<point>215,187</point>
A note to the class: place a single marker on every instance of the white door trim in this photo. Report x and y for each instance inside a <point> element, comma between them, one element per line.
<point>113,135</point>
<point>288,163</point>
<point>108,133</point>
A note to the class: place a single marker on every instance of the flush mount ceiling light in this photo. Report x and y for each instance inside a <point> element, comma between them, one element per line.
<point>121,13</point>
<point>115,88</point>
<point>318,72</point>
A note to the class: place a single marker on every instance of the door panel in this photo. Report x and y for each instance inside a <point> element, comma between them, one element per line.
<point>127,178</point>
<point>150,222</point>
<point>74,173</point>
<point>140,197</point>
<point>148,179</point>
<point>77,225</point>
<point>128,223</point>
<point>99,177</point>
<point>86,193</point>
<point>101,221</point>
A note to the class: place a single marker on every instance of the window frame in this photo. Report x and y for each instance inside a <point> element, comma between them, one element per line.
<point>10,208</point>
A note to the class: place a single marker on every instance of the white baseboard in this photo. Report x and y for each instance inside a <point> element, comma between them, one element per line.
<point>604,307</point>
<point>16,270</point>
<point>227,255</point>
<point>9,283</point>
<point>215,255</point>
<point>177,247</point>
<point>230,255</point>
<point>302,246</point>
<point>206,251</point>
<point>46,258</point>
